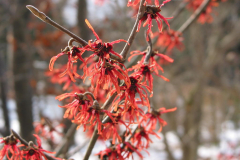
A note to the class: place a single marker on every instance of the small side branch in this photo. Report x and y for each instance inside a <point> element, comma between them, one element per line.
<point>149,52</point>
<point>91,144</point>
<point>194,16</point>
<point>133,32</point>
<point>69,134</point>
<point>46,19</point>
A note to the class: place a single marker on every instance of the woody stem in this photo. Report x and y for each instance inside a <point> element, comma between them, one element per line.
<point>95,135</point>
<point>148,55</point>
<point>133,32</point>
<point>194,16</point>
<point>48,20</point>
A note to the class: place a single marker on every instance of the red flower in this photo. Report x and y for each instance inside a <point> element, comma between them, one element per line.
<point>141,137</point>
<point>111,72</point>
<point>56,77</point>
<point>129,150</point>
<point>79,104</point>
<point>36,152</point>
<point>130,112</point>
<point>152,60</point>
<point>111,153</point>
<point>92,117</point>
<point>170,39</point>
<point>155,116</point>
<point>105,69</point>
<point>205,16</point>
<point>46,129</point>
<point>128,93</point>
<point>10,145</point>
<point>144,71</point>
<point>101,49</point>
<point>110,128</point>
<point>152,12</point>
<point>74,54</point>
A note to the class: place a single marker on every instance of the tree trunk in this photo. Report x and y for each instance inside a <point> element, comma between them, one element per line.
<point>3,81</point>
<point>82,15</point>
<point>4,12</point>
<point>22,65</point>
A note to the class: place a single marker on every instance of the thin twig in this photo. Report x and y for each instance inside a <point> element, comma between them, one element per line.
<point>46,19</point>
<point>149,52</point>
<point>65,139</point>
<point>190,20</point>
<point>76,149</point>
<point>133,32</point>
<point>177,12</point>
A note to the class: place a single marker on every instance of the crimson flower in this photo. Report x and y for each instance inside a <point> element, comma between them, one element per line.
<point>145,72</point>
<point>205,16</point>
<point>155,116</point>
<point>106,69</point>
<point>141,137</point>
<point>130,112</point>
<point>56,77</point>
<point>111,72</point>
<point>73,54</point>
<point>79,104</point>
<point>152,60</point>
<point>152,12</point>
<point>111,153</point>
<point>110,128</point>
<point>46,129</point>
<point>129,149</point>
<point>92,117</point>
<point>170,39</point>
<point>100,48</point>
<point>128,93</point>
<point>9,145</point>
<point>36,152</point>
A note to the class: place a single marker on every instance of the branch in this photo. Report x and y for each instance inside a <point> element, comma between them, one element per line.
<point>133,32</point>
<point>46,19</point>
<point>175,14</point>
<point>194,16</point>
<point>149,52</point>
<point>65,140</point>
<point>190,20</point>
<point>95,133</point>
<point>76,149</point>
<point>91,144</point>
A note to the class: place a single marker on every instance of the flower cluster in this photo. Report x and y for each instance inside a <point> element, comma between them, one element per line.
<point>131,88</point>
<point>23,151</point>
